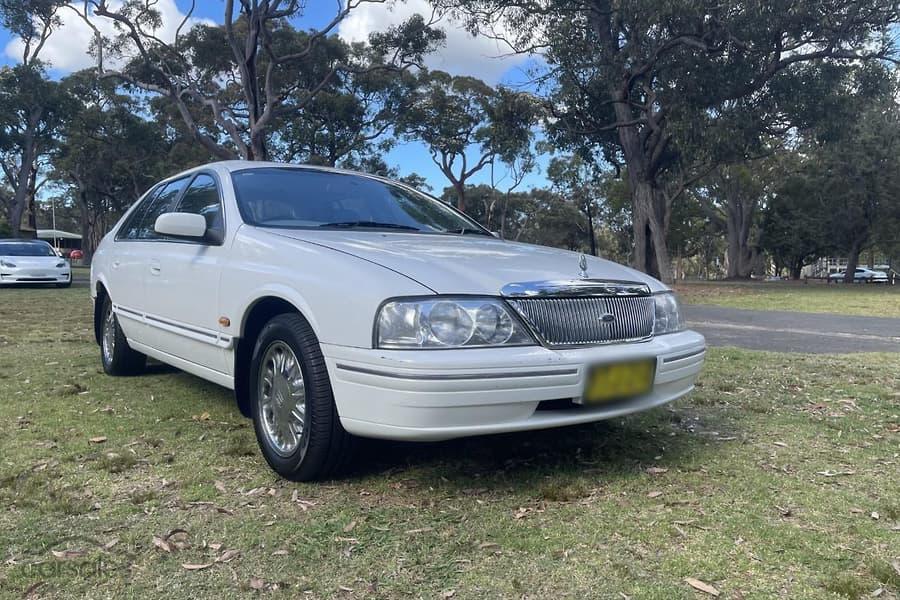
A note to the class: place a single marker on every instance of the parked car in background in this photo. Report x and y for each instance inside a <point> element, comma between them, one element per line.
<point>861,275</point>
<point>338,304</point>
<point>28,262</point>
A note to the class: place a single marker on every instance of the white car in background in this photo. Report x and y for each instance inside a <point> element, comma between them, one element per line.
<point>30,262</point>
<point>861,275</point>
<point>337,304</point>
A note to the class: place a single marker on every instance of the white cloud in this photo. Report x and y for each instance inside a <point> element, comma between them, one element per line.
<point>67,49</point>
<point>462,54</point>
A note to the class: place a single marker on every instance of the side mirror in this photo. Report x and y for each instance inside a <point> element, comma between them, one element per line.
<point>184,225</point>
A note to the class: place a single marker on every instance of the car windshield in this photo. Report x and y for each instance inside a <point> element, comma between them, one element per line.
<point>308,199</point>
<point>25,249</point>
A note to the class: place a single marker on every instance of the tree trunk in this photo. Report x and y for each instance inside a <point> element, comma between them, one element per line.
<point>648,219</point>
<point>740,255</point>
<point>87,237</point>
<point>591,233</point>
<point>796,269</point>
<point>853,260</point>
<point>460,189</point>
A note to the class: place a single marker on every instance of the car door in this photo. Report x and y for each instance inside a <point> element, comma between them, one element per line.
<point>124,272</point>
<point>182,282</point>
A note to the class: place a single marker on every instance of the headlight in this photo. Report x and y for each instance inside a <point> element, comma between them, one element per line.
<point>61,265</point>
<point>448,323</point>
<point>668,314</point>
<point>7,264</point>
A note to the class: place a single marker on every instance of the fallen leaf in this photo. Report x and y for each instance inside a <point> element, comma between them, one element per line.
<point>657,470</point>
<point>162,544</point>
<point>422,530</point>
<point>875,515</point>
<point>108,545</point>
<point>228,555</point>
<point>655,494</point>
<point>68,554</point>
<point>344,588</point>
<point>702,586</point>
<point>220,487</point>
<point>196,567</point>
<point>280,553</point>
<point>98,440</point>
<point>31,589</point>
<point>256,583</point>
<point>448,594</point>
<point>349,526</point>
<point>488,545</point>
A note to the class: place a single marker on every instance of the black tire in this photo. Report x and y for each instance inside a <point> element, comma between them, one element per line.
<point>120,359</point>
<point>324,448</point>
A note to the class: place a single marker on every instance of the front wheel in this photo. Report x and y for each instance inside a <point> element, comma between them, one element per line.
<point>117,356</point>
<point>292,403</point>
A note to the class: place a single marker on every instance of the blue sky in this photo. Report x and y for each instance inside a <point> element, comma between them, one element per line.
<point>67,51</point>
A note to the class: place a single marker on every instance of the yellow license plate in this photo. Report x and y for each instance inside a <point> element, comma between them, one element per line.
<point>607,383</point>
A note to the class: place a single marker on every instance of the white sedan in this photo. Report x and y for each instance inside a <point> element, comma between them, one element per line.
<point>337,304</point>
<point>861,275</point>
<point>30,262</point>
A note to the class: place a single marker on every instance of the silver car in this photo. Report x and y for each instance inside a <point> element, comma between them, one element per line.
<point>26,262</point>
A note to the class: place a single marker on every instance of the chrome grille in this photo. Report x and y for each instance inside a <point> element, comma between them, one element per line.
<point>580,321</point>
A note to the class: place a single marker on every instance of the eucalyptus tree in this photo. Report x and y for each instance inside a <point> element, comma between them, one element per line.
<point>234,84</point>
<point>467,125</point>
<point>579,183</point>
<point>32,109</point>
<point>110,153</point>
<point>639,81</point>
<point>30,104</point>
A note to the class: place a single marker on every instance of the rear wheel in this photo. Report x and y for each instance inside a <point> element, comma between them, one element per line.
<point>292,403</point>
<point>117,356</point>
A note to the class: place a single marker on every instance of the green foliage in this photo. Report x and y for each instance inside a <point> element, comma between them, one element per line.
<point>111,154</point>
<point>256,87</point>
<point>461,117</point>
<point>839,196</point>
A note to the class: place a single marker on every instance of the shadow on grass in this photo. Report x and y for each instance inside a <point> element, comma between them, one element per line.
<point>605,450</point>
<point>664,436</point>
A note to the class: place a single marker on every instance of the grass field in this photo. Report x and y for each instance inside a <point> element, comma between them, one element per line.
<point>778,478</point>
<point>864,300</point>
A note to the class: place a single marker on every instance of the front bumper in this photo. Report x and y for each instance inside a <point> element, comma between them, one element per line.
<point>430,395</point>
<point>30,276</point>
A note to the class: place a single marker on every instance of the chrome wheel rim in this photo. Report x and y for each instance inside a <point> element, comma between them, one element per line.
<point>282,399</point>
<point>109,335</point>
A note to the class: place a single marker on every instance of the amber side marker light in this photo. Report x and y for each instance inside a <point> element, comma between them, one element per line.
<point>224,321</point>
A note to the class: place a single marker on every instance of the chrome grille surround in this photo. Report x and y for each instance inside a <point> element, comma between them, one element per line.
<point>578,312</point>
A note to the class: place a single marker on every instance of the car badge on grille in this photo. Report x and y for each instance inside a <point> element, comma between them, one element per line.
<point>582,265</point>
<point>607,318</point>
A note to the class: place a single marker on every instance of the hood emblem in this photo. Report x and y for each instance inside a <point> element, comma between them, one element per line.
<point>582,266</point>
<point>607,318</point>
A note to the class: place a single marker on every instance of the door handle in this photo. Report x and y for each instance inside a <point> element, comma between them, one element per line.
<point>154,267</point>
<point>115,264</point>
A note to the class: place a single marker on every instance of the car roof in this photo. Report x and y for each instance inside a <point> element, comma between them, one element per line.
<point>21,241</point>
<point>241,165</point>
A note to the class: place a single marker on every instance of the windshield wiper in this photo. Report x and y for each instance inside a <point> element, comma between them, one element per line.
<point>374,224</point>
<point>472,231</point>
